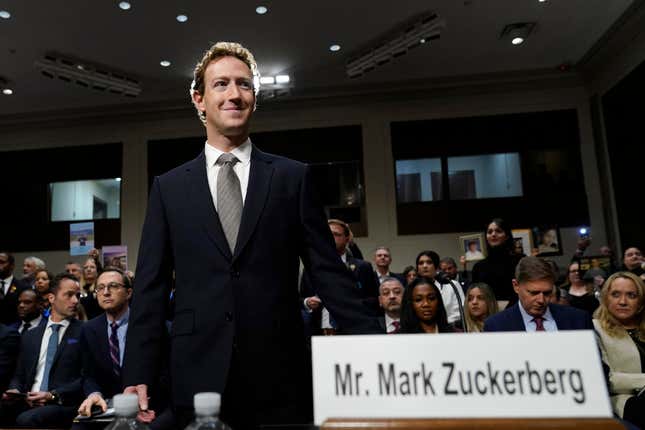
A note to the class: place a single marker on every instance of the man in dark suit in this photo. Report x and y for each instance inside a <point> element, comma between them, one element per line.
<point>382,262</point>
<point>30,311</point>
<point>49,366</point>
<point>533,284</point>
<point>232,225</point>
<point>9,347</point>
<point>365,284</point>
<point>448,266</point>
<point>10,288</point>
<point>390,298</point>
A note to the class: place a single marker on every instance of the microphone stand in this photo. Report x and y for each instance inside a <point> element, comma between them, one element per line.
<point>443,279</point>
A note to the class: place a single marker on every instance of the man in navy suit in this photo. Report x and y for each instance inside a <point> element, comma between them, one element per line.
<point>9,347</point>
<point>10,288</point>
<point>49,366</point>
<point>232,225</point>
<point>534,279</point>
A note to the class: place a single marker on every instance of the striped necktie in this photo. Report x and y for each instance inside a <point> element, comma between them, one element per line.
<point>115,356</point>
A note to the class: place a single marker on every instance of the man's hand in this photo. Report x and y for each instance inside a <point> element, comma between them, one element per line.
<point>313,302</point>
<point>93,399</point>
<point>38,398</point>
<point>141,391</point>
<point>94,253</point>
<point>463,262</point>
<point>6,397</point>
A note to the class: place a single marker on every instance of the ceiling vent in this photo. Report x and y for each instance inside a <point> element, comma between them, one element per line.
<point>87,75</point>
<point>414,33</point>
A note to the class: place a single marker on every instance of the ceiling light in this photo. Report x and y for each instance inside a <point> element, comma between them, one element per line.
<point>182,18</point>
<point>267,80</point>
<point>415,32</point>
<point>517,33</point>
<point>5,14</point>
<point>282,79</point>
<point>7,91</point>
<point>261,10</point>
<point>334,48</point>
<point>125,5</point>
<point>164,63</point>
<point>117,179</point>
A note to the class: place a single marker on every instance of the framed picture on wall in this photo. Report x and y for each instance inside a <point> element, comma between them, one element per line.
<point>523,241</point>
<point>473,246</point>
<point>547,241</point>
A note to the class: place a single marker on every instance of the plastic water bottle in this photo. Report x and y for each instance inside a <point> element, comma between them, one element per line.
<point>207,407</point>
<point>126,407</point>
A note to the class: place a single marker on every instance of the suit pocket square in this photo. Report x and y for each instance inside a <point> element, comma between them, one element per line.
<point>72,341</point>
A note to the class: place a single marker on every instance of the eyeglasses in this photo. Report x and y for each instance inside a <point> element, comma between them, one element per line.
<point>112,286</point>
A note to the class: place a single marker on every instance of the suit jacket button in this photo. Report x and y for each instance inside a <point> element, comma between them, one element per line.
<point>228,316</point>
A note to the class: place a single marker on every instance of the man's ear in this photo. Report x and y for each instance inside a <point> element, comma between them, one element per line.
<point>516,286</point>
<point>198,101</point>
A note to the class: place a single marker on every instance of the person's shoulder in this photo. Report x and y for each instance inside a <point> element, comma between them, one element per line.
<point>95,323</point>
<point>501,319</point>
<point>8,332</point>
<point>277,160</point>
<point>568,312</point>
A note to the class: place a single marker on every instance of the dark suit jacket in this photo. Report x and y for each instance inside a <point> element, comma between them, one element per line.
<point>566,317</point>
<point>243,304</point>
<point>365,284</point>
<point>9,347</point>
<point>97,367</point>
<point>9,303</point>
<point>65,375</point>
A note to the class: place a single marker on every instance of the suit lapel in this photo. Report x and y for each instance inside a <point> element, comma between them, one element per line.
<point>101,341</point>
<point>256,197</point>
<point>202,202</point>
<point>518,321</point>
<point>63,342</point>
<point>37,339</point>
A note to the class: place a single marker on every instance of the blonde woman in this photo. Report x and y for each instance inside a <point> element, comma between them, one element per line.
<point>480,304</point>
<point>620,327</point>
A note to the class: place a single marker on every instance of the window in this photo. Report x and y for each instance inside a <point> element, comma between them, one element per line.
<point>418,180</point>
<point>85,200</point>
<point>485,176</point>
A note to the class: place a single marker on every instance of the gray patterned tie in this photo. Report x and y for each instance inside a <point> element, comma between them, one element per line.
<point>229,198</point>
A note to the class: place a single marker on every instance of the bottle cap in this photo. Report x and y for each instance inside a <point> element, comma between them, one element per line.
<point>207,404</point>
<point>126,404</point>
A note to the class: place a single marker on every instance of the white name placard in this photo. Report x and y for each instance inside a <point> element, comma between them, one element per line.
<point>478,375</point>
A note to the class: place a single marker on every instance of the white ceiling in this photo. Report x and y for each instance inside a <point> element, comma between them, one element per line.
<point>293,37</point>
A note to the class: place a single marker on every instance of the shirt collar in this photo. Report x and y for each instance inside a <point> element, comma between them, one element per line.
<point>34,322</point>
<point>64,323</point>
<point>123,320</point>
<point>389,320</point>
<point>528,318</point>
<point>242,152</point>
<point>7,281</point>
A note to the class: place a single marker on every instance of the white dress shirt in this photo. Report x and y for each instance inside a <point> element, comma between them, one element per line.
<point>548,323</point>
<point>32,324</point>
<point>241,169</point>
<point>389,323</point>
<point>450,300</point>
<point>40,369</point>
<point>7,284</point>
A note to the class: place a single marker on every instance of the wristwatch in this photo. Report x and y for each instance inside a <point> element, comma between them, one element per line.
<point>55,397</point>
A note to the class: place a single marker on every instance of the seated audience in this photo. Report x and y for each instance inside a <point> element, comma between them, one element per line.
<point>633,261</point>
<point>480,304</point>
<point>91,270</point>
<point>427,265</point>
<point>9,347</point>
<point>498,268</point>
<point>580,294</point>
<point>409,274</point>
<point>534,281</point>
<point>10,287</point>
<point>620,327</point>
<point>422,309</point>
<point>390,296</point>
<point>30,311</point>
<point>382,262</point>
<point>49,365</point>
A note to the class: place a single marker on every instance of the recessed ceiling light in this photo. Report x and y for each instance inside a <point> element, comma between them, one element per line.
<point>5,14</point>
<point>182,18</point>
<point>261,10</point>
<point>267,80</point>
<point>125,5</point>
<point>117,179</point>
<point>334,48</point>
<point>542,1</point>
<point>282,79</point>
<point>7,91</point>
<point>517,40</point>
<point>422,41</point>
<point>164,63</point>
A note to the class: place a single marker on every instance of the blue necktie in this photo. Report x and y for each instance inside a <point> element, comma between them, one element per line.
<point>52,346</point>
